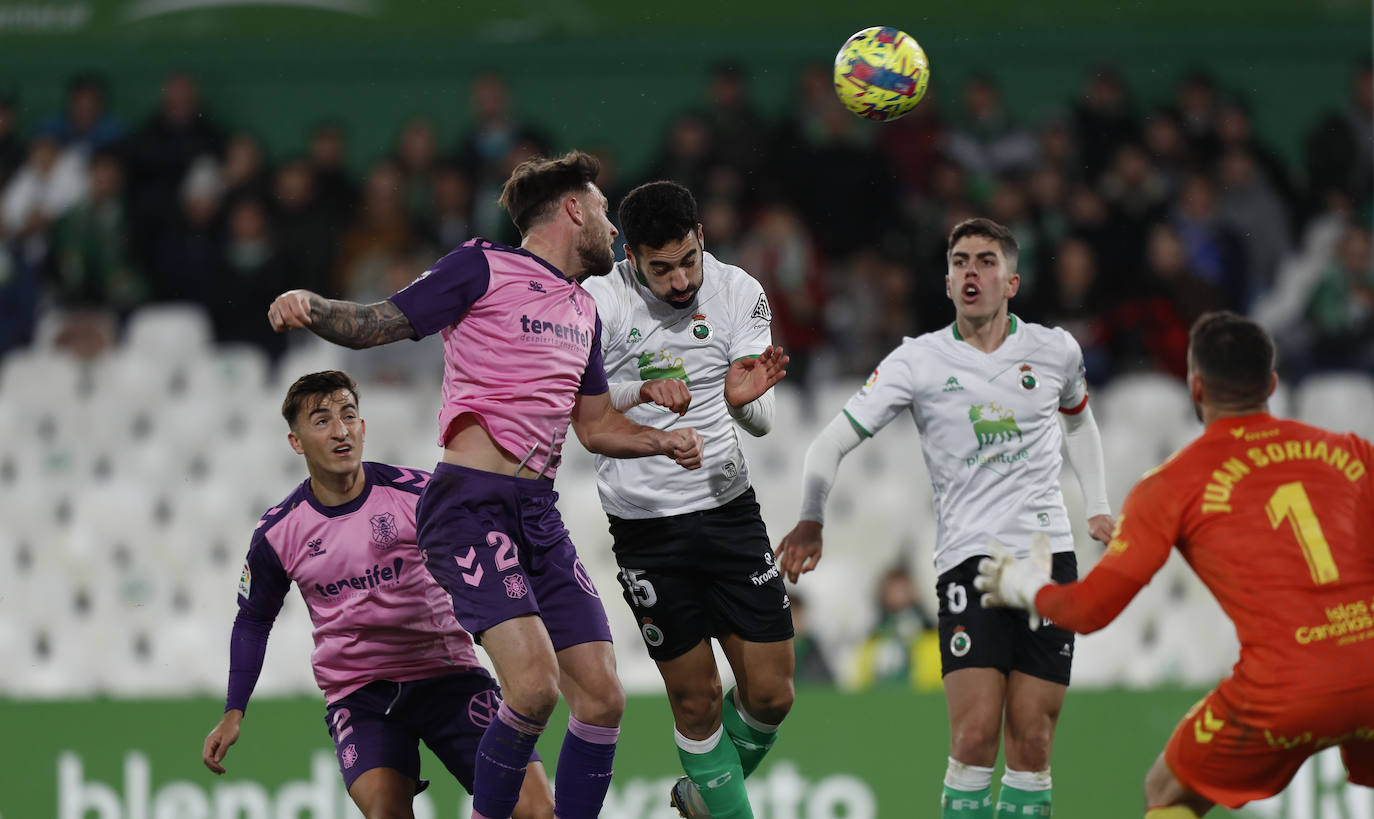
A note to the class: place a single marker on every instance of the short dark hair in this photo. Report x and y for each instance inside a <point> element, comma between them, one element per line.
<point>980,226</point>
<point>317,386</point>
<point>537,184</point>
<point>1234,357</point>
<point>656,213</point>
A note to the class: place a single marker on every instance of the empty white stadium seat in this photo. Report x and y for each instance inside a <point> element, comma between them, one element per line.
<point>170,332</point>
<point>1341,402</point>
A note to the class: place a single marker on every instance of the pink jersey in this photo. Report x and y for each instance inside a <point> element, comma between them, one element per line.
<point>378,613</point>
<point>521,341</point>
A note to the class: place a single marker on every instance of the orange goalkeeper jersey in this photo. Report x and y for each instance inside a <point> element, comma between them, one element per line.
<point>1277,519</point>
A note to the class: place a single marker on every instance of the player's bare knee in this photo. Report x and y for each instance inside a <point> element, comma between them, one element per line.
<point>697,711</point>
<point>606,707</point>
<point>772,703</point>
<point>533,697</point>
<point>974,745</point>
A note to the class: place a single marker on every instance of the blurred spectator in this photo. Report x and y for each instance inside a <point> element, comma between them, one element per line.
<point>12,148</point>
<point>1104,120</point>
<point>450,222</point>
<point>1138,196</point>
<point>1048,192</point>
<point>90,246</point>
<point>895,650</point>
<point>1235,130</point>
<point>49,183</point>
<point>417,151</point>
<point>1056,149</point>
<point>779,252</point>
<point>19,293</point>
<point>1071,298</point>
<point>335,189</point>
<point>1195,102</point>
<point>612,183</point>
<point>1213,249</point>
<point>189,252</point>
<point>409,364</point>
<point>85,123</point>
<point>1009,205</point>
<point>1167,148</point>
<point>986,141</point>
<point>1092,220</point>
<point>871,309</point>
<point>1341,308</point>
<point>687,152</point>
<point>722,227</point>
<point>249,277</point>
<point>382,230</point>
<point>844,189</point>
<point>158,156</point>
<point>1340,149</point>
<point>485,149</point>
<point>244,172</point>
<point>1167,272</point>
<point>306,233</point>
<point>738,131</point>
<point>912,144</point>
<point>1250,204</point>
<point>811,665</point>
<point>1281,311</point>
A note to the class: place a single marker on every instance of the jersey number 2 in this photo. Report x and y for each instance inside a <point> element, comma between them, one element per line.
<point>1290,502</point>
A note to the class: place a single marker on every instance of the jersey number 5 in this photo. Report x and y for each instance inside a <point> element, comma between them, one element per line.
<point>1290,502</point>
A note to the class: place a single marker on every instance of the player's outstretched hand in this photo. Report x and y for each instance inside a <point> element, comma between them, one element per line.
<point>218,742</point>
<point>800,550</point>
<point>749,378</point>
<point>1102,527</point>
<point>671,393</point>
<point>685,447</point>
<point>290,311</point>
<point>1006,581</point>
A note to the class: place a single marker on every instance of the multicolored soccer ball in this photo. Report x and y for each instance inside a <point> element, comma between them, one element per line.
<point>881,73</point>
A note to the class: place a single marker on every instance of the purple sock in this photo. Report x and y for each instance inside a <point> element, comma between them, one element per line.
<point>584,770</point>
<point>499,770</point>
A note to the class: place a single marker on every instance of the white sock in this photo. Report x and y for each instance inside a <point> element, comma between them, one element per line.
<point>968,778</point>
<point>1029,781</point>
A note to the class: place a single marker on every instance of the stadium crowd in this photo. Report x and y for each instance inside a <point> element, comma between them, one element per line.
<point>1132,219</point>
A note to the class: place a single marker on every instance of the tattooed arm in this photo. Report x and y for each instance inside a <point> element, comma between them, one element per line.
<point>342,322</point>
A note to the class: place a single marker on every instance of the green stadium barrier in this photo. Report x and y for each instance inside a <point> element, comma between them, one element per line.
<point>859,756</point>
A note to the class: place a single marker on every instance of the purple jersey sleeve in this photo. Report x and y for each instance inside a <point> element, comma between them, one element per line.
<point>262,590</point>
<point>594,377</point>
<point>442,294</point>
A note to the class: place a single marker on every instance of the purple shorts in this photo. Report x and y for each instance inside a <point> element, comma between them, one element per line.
<point>497,545</point>
<point>382,724</point>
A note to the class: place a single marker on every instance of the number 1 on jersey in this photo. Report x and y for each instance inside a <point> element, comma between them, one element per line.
<point>1290,502</point>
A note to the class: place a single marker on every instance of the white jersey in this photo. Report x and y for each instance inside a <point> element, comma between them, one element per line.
<point>642,338</point>
<point>989,432</point>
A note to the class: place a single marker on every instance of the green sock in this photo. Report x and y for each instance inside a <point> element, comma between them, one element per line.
<point>1024,793</point>
<point>714,766</point>
<point>751,741</point>
<point>957,804</point>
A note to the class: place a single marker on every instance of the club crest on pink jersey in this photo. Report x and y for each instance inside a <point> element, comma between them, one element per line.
<point>515,586</point>
<point>384,533</point>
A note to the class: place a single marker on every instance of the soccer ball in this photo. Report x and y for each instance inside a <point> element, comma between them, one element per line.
<point>881,73</point>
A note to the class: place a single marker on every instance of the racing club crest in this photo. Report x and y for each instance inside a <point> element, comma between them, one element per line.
<point>384,532</point>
